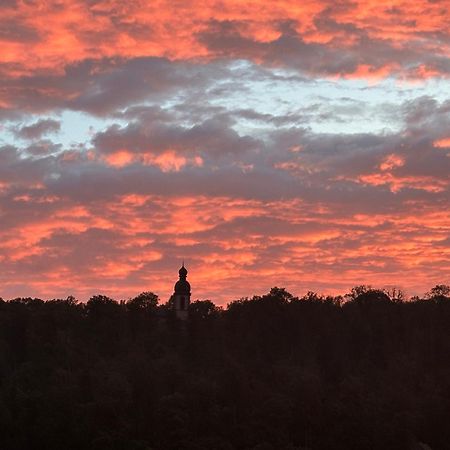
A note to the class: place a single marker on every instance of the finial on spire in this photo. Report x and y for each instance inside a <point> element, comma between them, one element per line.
<point>183,271</point>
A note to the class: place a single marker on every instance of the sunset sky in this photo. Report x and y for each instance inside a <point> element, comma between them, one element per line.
<point>268,143</point>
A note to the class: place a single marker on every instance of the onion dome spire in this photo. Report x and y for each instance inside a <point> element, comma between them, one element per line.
<point>182,286</point>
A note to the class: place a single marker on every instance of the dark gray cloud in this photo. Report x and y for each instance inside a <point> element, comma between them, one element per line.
<point>43,147</point>
<point>8,4</point>
<point>331,168</point>
<point>100,87</point>
<point>14,30</point>
<point>37,129</point>
<point>227,39</point>
<point>213,138</point>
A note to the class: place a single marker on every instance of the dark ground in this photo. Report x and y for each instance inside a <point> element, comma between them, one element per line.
<point>272,372</point>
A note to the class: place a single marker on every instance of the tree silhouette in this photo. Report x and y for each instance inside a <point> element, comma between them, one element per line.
<point>146,301</point>
<point>441,291</point>
<point>369,370</point>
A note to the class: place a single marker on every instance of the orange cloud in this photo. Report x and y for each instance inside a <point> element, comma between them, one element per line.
<point>168,161</point>
<point>442,143</point>
<point>120,159</point>
<point>292,243</point>
<point>54,35</point>
<point>391,162</point>
<point>397,183</point>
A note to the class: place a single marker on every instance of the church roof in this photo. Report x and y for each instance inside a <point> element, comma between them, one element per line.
<point>182,286</point>
<point>183,271</point>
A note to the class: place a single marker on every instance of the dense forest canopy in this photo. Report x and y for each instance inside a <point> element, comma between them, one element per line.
<point>368,370</point>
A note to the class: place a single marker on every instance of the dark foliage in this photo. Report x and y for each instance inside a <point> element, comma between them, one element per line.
<point>364,371</point>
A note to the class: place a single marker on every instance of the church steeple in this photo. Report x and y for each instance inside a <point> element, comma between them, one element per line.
<point>181,297</point>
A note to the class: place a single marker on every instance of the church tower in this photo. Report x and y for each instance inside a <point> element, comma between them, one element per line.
<point>181,297</point>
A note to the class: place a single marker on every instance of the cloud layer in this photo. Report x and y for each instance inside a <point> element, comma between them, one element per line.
<point>265,144</point>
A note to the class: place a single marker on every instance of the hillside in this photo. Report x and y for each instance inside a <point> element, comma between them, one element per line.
<point>365,371</point>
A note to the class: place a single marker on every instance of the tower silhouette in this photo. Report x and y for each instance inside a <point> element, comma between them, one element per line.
<point>181,297</point>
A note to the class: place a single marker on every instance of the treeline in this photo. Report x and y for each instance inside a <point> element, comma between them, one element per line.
<point>365,371</point>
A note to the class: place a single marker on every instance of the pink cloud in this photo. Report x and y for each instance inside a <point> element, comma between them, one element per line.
<point>78,30</point>
<point>180,176</point>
